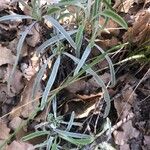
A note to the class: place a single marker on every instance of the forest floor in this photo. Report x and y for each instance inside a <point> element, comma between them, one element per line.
<point>130,97</point>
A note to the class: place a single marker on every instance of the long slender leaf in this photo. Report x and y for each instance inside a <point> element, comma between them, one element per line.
<point>83,59</point>
<point>14,17</point>
<point>19,48</point>
<point>34,135</point>
<point>56,24</point>
<point>111,14</point>
<point>70,123</point>
<point>49,143</point>
<point>78,142</point>
<point>72,134</point>
<point>78,40</point>
<point>112,71</point>
<point>50,82</point>
<point>54,39</point>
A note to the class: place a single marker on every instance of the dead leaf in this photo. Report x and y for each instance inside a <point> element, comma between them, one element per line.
<point>4,4</point>
<point>17,83</point>
<point>34,38</point>
<point>4,130</point>
<point>19,145</point>
<point>140,32</point>
<point>110,28</point>
<point>15,123</point>
<point>26,105</point>
<point>129,132</point>
<point>6,57</point>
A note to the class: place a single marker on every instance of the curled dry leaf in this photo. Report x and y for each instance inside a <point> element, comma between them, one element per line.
<point>6,56</point>
<point>19,145</point>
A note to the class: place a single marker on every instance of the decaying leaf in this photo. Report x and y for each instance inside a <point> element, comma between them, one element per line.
<point>26,105</point>
<point>4,130</point>
<point>34,38</point>
<point>17,83</point>
<point>140,32</point>
<point>19,145</point>
<point>128,132</point>
<point>15,123</point>
<point>6,57</point>
<point>4,4</point>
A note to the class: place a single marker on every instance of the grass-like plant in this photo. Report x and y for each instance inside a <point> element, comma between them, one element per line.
<point>87,13</point>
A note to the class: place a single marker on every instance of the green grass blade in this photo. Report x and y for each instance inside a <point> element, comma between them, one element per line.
<point>34,135</point>
<point>70,123</point>
<point>71,134</point>
<point>50,82</point>
<point>41,49</point>
<point>78,40</point>
<point>83,59</point>
<point>77,142</point>
<point>19,48</point>
<point>112,71</point>
<point>49,143</point>
<point>111,14</point>
<point>56,24</point>
<point>55,107</point>
<point>14,17</point>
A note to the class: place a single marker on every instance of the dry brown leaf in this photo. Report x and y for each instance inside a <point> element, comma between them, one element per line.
<point>4,130</point>
<point>26,105</point>
<point>110,28</point>
<point>15,123</point>
<point>129,132</point>
<point>12,45</point>
<point>140,32</point>
<point>4,4</point>
<point>6,57</point>
<point>34,38</point>
<point>16,84</point>
<point>129,94</point>
<point>19,145</point>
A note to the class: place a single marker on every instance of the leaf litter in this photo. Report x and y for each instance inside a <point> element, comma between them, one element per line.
<point>84,96</point>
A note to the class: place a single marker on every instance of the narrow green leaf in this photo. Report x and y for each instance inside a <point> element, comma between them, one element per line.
<point>72,134</point>
<point>52,10</point>
<point>34,135</point>
<point>111,14</point>
<point>49,143</point>
<point>112,71</point>
<point>78,40</point>
<point>83,59</point>
<point>77,142</point>
<point>14,17</point>
<point>54,145</point>
<point>54,39</point>
<point>50,82</point>
<point>55,107</point>
<point>56,24</point>
<point>70,123</point>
